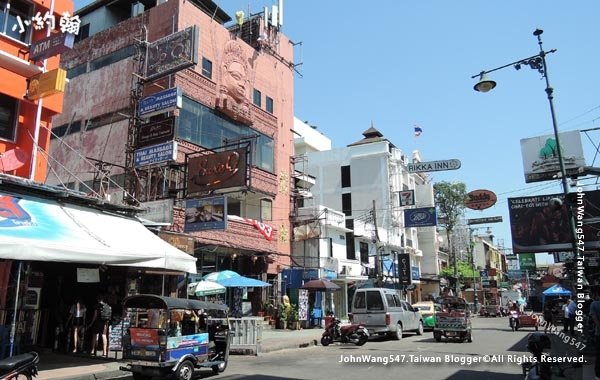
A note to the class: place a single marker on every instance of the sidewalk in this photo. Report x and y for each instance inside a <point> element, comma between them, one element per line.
<point>68,367</point>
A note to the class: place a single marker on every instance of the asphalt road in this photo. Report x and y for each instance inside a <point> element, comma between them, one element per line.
<point>494,354</point>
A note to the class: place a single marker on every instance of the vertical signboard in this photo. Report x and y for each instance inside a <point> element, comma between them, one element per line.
<point>527,261</point>
<point>404,269</point>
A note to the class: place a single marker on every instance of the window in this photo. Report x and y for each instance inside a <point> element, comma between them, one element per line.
<point>206,68</point>
<point>9,110</point>
<point>9,10</point>
<point>364,252</point>
<point>257,97</point>
<point>350,248</point>
<point>347,204</point>
<point>359,300</point>
<point>200,125</point>
<point>269,104</point>
<point>266,209</point>
<point>390,300</point>
<point>234,207</point>
<point>84,32</point>
<point>397,300</point>
<point>346,176</point>
<point>374,301</point>
<point>77,70</point>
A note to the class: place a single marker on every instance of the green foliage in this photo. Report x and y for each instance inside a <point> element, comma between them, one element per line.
<point>465,271</point>
<point>293,316</point>
<point>450,201</point>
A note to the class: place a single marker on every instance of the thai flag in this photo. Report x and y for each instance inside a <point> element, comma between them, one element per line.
<point>418,131</point>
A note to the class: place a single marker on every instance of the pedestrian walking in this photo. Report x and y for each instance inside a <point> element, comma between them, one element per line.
<point>565,310</point>
<point>595,314</point>
<point>77,320</point>
<point>572,309</point>
<point>99,325</point>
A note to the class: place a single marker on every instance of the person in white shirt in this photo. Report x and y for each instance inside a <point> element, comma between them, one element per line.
<point>565,309</point>
<point>77,318</point>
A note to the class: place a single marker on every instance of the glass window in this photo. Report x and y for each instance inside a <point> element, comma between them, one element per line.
<point>359,300</point>
<point>390,300</point>
<point>364,252</point>
<point>374,301</point>
<point>206,68</point>
<point>346,176</point>
<point>9,110</point>
<point>84,32</point>
<point>266,209</point>
<point>202,126</point>
<point>257,98</point>
<point>397,300</point>
<point>269,104</point>
<point>347,204</point>
<point>9,11</point>
<point>350,248</point>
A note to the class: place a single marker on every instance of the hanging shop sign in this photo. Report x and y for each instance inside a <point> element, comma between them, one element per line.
<point>51,46</point>
<point>491,219</point>
<point>527,261</point>
<point>155,154</point>
<point>415,273</point>
<point>46,84</point>
<point>404,269</point>
<point>217,170</point>
<point>182,242</point>
<point>160,211</point>
<point>433,166</point>
<point>172,53</point>
<point>540,156</point>
<point>480,199</point>
<point>156,132</point>
<point>420,217</point>
<point>205,214</point>
<point>160,102</point>
<point>407,198</point>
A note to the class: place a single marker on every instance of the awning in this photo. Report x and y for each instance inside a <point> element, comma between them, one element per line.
<point>39,229</point>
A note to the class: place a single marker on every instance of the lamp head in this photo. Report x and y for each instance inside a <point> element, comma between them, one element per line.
<point>239,17</point>
<point>484,84</point>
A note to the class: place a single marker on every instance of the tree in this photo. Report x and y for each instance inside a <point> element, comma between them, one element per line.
<point>450,201</point>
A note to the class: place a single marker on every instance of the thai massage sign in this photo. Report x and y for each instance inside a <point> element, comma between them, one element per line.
<point>217,171</point>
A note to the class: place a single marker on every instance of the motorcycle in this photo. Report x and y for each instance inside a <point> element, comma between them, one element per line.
<point>19,366</point>
<point>513,320</point>
<point>353,333</point>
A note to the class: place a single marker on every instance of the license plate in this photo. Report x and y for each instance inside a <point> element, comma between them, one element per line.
<point>142,353</point>
<point>452,333</point>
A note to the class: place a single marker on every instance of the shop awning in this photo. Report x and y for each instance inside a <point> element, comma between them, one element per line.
<point>40,229</point>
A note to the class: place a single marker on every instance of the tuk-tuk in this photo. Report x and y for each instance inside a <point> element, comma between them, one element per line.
<point>173,336</point>
<point>454,321</point>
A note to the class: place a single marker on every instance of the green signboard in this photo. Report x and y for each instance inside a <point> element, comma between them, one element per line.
<point>527,261</point>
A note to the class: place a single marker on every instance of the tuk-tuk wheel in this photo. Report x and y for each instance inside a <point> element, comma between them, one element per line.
<point>469,339</point>
<point>437,336</point>
<point>139,376</point>
<point>185,371</point>
<point>219,368</point>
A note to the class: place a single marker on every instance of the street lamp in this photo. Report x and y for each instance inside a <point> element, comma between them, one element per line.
<point>537,62</point>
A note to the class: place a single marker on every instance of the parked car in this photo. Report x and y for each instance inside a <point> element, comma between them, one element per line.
<point>382,311</point>
<point>428,310</point>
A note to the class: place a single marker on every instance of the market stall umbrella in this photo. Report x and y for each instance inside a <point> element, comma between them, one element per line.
<point>205,288</point>
<point>320,285</point>
<point>243,282</point>
<point>222,275</point>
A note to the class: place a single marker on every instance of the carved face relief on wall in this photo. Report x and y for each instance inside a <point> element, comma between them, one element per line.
<point>235,85</point>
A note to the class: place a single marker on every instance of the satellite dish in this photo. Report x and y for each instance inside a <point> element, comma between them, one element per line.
<point>13,159</point>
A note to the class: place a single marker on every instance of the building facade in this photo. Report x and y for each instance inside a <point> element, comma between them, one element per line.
<point>237,101</point>
<point>25,119</point>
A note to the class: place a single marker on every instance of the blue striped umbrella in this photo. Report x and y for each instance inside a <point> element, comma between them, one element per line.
<point>222,275</point>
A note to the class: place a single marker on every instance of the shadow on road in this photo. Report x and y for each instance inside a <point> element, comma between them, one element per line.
<point>476,375</point>
<point>255,377</point>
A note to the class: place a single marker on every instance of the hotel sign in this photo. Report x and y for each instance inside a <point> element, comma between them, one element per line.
<point>433,166</point>
<point>217,171</point>
<point>51,46</point>
<point>172,53</point>
<point>46,84</point>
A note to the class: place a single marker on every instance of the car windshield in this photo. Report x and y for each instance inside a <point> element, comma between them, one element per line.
<point>423,307</point>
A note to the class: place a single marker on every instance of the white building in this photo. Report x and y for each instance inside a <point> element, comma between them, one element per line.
<point>363,180</point>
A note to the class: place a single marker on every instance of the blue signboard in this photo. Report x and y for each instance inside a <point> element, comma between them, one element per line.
<point>160,102</point>
<point>205,214</point>
<point>155,154</point>
<point>420,217</point>
<point>416,273</point>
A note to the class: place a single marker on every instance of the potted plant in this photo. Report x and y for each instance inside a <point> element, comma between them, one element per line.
<point>282,317</point>
<point>293,321</point>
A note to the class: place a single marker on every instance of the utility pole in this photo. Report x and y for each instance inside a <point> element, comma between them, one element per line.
<point>378,267</point>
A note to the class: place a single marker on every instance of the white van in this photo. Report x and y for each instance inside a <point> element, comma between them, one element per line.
<point>383,312</point>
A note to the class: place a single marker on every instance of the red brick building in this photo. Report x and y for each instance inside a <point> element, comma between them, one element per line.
<point>239,94</point>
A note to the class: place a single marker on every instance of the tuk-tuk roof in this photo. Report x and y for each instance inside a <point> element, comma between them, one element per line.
<point>151,301</point>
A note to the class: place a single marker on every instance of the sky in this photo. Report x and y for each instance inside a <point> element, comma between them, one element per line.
<point>397,64</point>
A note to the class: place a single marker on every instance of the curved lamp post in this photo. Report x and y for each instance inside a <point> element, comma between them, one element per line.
<point>537,62</point>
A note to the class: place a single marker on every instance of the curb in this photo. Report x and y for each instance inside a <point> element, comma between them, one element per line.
<point>287,345</point>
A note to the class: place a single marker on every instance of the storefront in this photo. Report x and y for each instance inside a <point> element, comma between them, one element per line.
<point>54,247</point>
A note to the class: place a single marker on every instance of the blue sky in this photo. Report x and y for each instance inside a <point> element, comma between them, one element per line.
<point>401,63</point>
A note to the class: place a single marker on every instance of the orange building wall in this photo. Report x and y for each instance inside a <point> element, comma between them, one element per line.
<point>15,85</point>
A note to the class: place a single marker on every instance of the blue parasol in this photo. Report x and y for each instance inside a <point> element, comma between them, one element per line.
<point>243,282</point>
<point>222,275</point>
